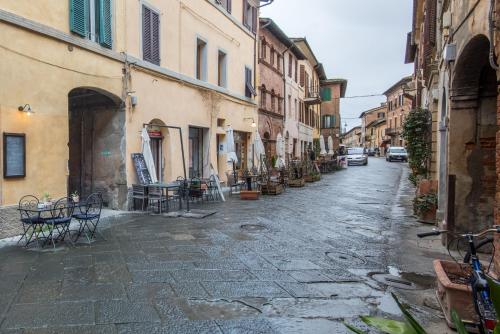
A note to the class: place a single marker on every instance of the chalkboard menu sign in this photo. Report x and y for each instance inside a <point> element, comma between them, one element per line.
<point>14,155</point>
<point>141,168</point>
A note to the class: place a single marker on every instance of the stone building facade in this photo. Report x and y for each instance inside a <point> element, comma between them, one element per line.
<point>101,79</point>
<point>278,88</point>
<point>332,90</point>
<point>455,46</point>
<point>352,138</point>
<point>399,104</point>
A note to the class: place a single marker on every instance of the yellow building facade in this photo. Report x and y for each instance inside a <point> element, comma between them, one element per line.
<point>91,82</point>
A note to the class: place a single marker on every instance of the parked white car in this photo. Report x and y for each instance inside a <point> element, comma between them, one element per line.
<point>396,154</point>
<point>357,156</point>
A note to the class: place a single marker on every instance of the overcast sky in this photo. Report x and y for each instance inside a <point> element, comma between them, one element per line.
<point>362,41</point>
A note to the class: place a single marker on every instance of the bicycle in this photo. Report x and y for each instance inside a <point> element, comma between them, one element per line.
<point>478,282</point>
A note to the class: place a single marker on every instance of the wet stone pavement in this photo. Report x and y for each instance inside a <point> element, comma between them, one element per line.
<point>302,262</point>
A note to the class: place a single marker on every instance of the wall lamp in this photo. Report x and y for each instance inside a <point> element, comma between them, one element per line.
<point>26,108</point>
<point>254,125</point>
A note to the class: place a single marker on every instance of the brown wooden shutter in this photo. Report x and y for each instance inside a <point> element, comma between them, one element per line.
<point>245,18</point>
<point>290,65</point>
<point>146,33</point>
<point>155,38</point>
<point>302,75</point>
<point>254,19</point>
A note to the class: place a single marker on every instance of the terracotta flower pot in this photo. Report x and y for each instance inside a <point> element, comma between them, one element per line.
<point>249,194</point>
<point>428,216</point>
<point>452,294</point>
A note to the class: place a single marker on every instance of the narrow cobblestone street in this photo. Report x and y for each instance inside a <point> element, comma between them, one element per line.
<point>301,262</point>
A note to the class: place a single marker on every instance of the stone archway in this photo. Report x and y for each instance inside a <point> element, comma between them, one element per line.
<point>96,145</point>
<point>472,137</point>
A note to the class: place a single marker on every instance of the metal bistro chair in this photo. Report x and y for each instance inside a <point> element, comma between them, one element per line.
<point>156,198</point>
<point>30,219</point>
<point>140,192</point>
<point>212,193</point>
<point>88,216</point>
<point>195,189</point>
<point>233,183</point>
<point>61,214</point>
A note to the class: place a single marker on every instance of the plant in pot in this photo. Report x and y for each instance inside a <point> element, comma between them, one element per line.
<point>75,197</point>
<point>249,193</point>
<point>46,199</point>
<point>424,206</point>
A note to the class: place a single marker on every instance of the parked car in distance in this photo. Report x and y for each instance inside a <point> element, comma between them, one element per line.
<point>357,156</point>
<point>396,154</point>
<point>371,152</point>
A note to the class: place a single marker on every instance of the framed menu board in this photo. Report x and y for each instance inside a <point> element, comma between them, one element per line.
<point>14,155</point>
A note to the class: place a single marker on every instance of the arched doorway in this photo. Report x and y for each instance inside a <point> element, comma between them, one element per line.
<point>472,137</point>
<point>97,145</point>
<point>158,136</point>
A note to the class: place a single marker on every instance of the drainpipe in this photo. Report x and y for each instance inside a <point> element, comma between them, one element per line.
<point>491,21</point>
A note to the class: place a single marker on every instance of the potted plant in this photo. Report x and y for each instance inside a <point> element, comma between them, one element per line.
<point>249,193</point>
<point>46,199</point>
<point>75,197</point>
<point>424,206</point>
<point>453,291</point>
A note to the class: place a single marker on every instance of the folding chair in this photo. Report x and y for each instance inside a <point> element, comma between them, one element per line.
<point>61,214</point>
<point>89,215</point>
<point>139,192</point>
<point>31,221</point>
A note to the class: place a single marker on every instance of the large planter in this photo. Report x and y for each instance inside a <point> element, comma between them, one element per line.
<point>428,216</point>
<point>452,294</point>
<point>249,194</point>
<point>272,189</point>
<point>296,183</point>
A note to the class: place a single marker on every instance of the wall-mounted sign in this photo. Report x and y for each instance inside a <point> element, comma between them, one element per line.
<point>14,155</point>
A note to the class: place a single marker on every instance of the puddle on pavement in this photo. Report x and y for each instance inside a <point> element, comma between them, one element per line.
<point>218,309</point>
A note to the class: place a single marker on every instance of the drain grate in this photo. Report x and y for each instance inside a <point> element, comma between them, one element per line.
<point>394,281</point>
<point>254,227</point>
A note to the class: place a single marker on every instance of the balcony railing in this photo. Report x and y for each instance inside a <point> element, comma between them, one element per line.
<point>312,94</point>
<point>391,132</point>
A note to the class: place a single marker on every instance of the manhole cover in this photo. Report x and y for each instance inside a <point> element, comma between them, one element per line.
<point>394,281</point>
<point>345,258</point>
<point>253,227</point>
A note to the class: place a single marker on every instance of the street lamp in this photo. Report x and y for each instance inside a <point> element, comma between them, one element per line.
<point>254,125</point>
<point>26,108</point>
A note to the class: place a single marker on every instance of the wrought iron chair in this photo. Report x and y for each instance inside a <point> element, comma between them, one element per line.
<point>195,189</point>
<point>88,216</point>
<point>139,192</point>
<point>212,192</point>
<point>31,221</point>
<point>61,214</point>
<point>233,183</point>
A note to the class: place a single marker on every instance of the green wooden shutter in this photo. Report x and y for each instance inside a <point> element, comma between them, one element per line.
<point>105,23</point>
<point>79,17</point>
<point>326,94</point>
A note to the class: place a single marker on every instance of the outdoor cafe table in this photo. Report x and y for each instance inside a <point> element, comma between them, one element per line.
<point>168,186</point>
<point>44,212</point>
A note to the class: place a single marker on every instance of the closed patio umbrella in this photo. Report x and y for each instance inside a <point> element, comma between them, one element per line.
<point>280,151</point>
<point>330,145</point>
<point>230,146</point>
<point>148,155</point>
<point>322,145</point>
<point>260,151</point>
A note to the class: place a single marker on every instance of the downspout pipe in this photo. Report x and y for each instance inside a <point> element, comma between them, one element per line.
<point>491,21</point>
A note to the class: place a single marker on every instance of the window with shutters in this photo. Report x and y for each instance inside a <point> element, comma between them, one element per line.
<point>150,35</point>
<point>302,75</point>
<point>201,59</point>
<point>263,97</point>
<point>272,56</point>
<point>263,52</point>
<point>249,87</point>
<point>249,16</point>
<point>296,70</point>
<point>92,19</point>
<point>290,65</point>
<point>222,69</point>
<point>326,94</point>
<point>226,4</point>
